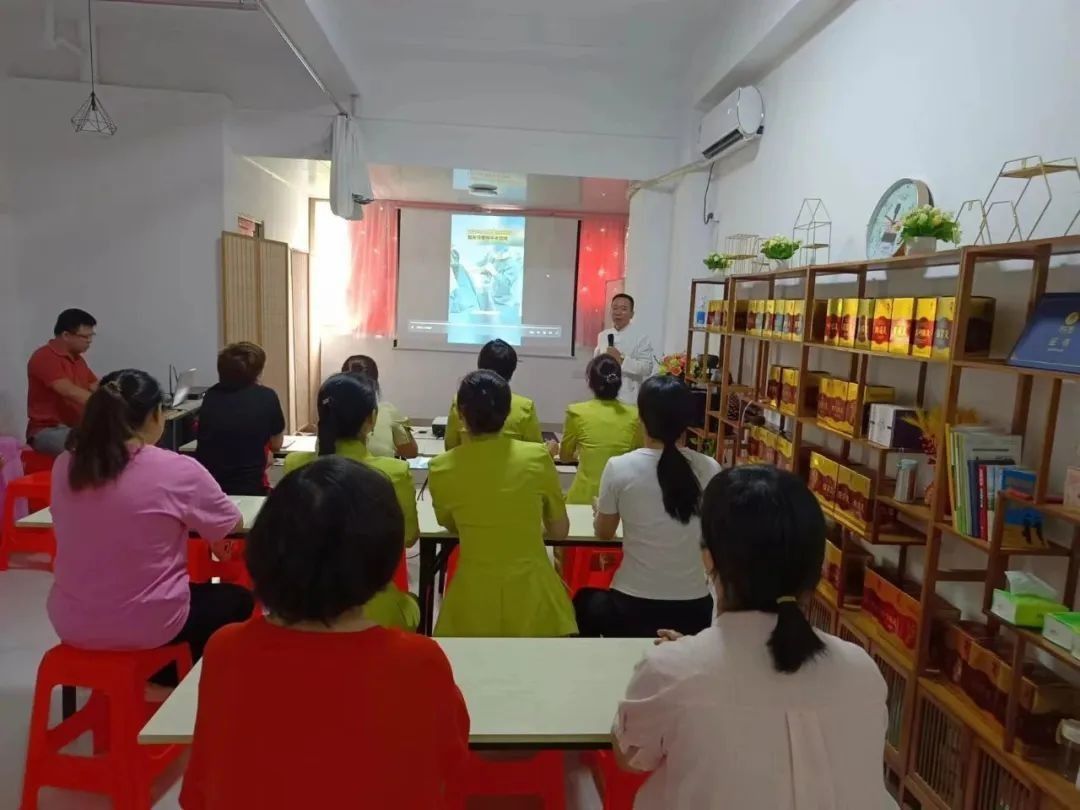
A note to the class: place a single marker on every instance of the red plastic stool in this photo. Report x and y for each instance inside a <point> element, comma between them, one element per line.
<point>36,489</point>
<point>33,461</point>
<point>590,568</point>
<point>202,567</point>
<point>617,787</point>
<point>114,714</point>
<point>542,774</point>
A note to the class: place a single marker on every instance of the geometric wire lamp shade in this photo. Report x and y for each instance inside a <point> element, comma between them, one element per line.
<point>92,117</point>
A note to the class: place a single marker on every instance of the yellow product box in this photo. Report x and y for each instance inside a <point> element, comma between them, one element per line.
<point>753,440</point>
<point>861,503</point>
<point>871,393</point>
<point>753,318</point>
<point>849,313</point>
<point>842,502</point>
<point>922,338</point>
<point>784,453</point>
<point>768,451</point>
<point>712,321</point>
<point>826,396</point>
<point>882,328</point>
<point>770,318</point>
<point>833,313</point>
<point>864,323</point>
<point>780,319</point>
<point>796,308</point>
<point>902,326</point>
<point>979,331</point>
<point>818,318</point>
<point>789,391</point>
<point>823,472</point>
<point>774,386</point>
<point>742,312</point>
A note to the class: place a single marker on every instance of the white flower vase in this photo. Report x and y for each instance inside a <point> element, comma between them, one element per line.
<point>780,264</point>
<point>920,246</point>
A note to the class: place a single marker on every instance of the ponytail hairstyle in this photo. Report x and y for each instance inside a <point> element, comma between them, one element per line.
<point>766,534</point>
<point>346,402</point>
<point>362,364</point>
<point>484,402</point>
<point>605,376</point>
<point>664,404</point>
<point>114,414</point>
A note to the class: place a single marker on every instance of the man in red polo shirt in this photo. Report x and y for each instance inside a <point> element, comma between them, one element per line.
<point>59,382</point>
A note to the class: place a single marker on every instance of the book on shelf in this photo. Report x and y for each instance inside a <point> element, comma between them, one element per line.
<point>1023,522</point>
<point>1051,339</point>
<point>966,446</point>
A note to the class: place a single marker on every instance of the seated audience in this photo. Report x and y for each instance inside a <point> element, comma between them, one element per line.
<point>314,705</point>
<point>522,422</point>
<point>392,434</point>
<point>499,495</point>
<point>240,421</point>
<point>759,710</point>
<point>348,407</point>
<point>655,492</point>
<point>122,510</point>
<point>597,430</point>
<point>59,382</point>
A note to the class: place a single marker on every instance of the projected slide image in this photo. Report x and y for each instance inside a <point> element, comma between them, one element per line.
<point>487,278</point>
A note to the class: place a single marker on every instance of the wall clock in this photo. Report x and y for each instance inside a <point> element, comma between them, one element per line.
<point>883,230</point>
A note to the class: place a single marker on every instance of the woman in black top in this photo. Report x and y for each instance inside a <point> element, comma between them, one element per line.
<point>239,422</point>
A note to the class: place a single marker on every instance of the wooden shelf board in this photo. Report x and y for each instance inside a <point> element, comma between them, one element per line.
<point>1052,550</point>
<point>698,329</point>
<point>858,440</point>
<point>700,432</point>
<point>999,364</point>
<point>1028,172</point>
<point>813,344</point>
<point>863,623</point>
<point>915,511</point>
<point>1059,511</point>
<point>748,336</point>
<point>791,272</point>
<point>1035,639</point>
<point>884,538</point>
<point>708,280</point>
<point>957,703</point>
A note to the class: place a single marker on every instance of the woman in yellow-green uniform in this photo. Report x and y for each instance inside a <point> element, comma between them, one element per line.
<point>522,422</point>
<point>597,430</point>
<point>500,496</point>
<point>348,406</point>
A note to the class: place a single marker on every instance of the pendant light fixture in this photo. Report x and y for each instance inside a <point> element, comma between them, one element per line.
<point>92,116</point>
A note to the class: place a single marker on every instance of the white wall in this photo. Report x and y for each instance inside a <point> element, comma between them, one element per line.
<point>12,367</point>
<point>124,227</point>
<point>944,92</point>
<point>271,190</point>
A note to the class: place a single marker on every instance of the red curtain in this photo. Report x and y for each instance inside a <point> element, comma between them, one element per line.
<point>371,293</point>
<point>601,260</point>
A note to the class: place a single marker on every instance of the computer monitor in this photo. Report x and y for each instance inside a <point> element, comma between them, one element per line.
<point>184,382</point>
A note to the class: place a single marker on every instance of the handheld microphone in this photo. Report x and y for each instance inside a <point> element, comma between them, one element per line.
<point>611,340</point>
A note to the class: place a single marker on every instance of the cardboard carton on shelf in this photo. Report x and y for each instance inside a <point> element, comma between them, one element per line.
<point>896,609</point>
<point>881,332</point>
<point>849,313</point>
<point>768,447</point>
<point>903,325</point>
<point>774,386</point>
<point>871,394</point>
<point>889,427</point>
<point>753,326</point>
<point>827,394</point>
<point>922,340</point>
<point>796,309</point>
<point>980,326</point>
<point>768,329</point>
<point>789,392</point>
<point>853,571</point>
<point>823,473</point>
<point>864,324</point>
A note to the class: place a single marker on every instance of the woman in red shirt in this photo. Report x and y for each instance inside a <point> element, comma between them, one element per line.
<point>314,705</point>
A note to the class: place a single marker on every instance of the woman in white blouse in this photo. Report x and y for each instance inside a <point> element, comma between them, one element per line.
<point>759,710</point>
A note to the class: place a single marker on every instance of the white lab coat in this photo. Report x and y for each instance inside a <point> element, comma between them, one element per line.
<point>639,360</point>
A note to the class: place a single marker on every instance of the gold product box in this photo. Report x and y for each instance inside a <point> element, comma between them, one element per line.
<point>818,318</point>
<point>757,312</point>
<point>716,311</point>
<point>882,331</point>
<point>902,328</point>
<point>833,313</point>
<point>827,394</point>
<point>871,393</point>
<point>742,314</point>
<point>849,313</point>
<point>789,392</point>
<point>922,339</point>
<point>806,398</point>
<point>774,386</point>
<point>864,324</point>
<point>853,499</point>
<point>980,326</point>
<point>823,472</point>
<point>768,452</point>
<point>780,320</point>
<point>784,453</point>
<point>770,318</point>
<point>795,318</point>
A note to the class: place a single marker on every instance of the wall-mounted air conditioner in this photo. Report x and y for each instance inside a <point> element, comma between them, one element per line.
<point>733,123</point>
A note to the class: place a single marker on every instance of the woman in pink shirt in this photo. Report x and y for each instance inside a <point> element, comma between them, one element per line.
<point>122,511</point>
<point>759,710</point>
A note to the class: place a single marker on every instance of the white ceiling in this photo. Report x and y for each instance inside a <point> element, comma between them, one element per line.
<point>235,53</point>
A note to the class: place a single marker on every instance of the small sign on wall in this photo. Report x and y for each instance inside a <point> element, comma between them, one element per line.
<point>249,226</point>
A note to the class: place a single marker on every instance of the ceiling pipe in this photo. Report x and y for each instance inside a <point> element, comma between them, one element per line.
<point>300,56</point>
<point>227,5</point>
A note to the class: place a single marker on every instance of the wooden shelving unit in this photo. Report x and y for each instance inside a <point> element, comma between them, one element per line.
<point>943,751</point>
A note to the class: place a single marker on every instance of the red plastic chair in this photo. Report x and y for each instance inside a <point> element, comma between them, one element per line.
<point>202,567</point>
<point>34,462</point>
<point>589,568</point>
<point>617,787</point>
<point>116,711</point>
<point>36,489</point>
<point>542,774</point>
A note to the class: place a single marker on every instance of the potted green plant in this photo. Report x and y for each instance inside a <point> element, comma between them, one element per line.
<point>779,250</point>
<point>924,226</point>
<point>717,261</point>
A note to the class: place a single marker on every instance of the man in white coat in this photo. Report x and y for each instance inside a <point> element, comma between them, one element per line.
<point>629,345</point>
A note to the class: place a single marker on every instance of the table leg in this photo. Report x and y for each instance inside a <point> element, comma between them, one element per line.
<point>427,585</point>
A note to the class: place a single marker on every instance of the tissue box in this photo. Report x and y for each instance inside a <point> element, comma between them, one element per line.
<point>1062,628</point>
<point>1023,610</point>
